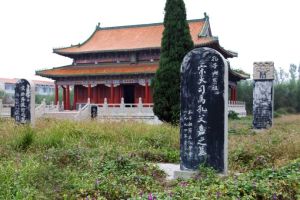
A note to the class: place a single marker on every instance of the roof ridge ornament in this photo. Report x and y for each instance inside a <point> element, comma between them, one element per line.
<point>204,31</point>
<point>98,26</point>
<point>206,16</point>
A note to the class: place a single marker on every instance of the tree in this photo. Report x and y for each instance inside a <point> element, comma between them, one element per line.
<point>176,43</point>
<point>299,72</point>
<point>245,91</point>
<point>293,72</point>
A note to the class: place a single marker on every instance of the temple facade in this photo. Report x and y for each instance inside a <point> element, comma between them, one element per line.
<point>117,64</point>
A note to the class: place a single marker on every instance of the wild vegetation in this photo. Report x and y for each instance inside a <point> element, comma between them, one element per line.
<point>90,160</point>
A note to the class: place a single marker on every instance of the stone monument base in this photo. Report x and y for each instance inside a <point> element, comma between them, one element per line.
<point>173,171</point>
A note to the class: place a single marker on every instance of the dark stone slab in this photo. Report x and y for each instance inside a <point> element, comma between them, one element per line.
<point>12,112</point>
<point>94,111</point>
<point>262,104</point>
<point>22,102</point>
<point>203,117</point>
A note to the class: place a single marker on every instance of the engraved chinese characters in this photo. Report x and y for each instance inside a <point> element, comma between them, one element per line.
<point>263,94</point>
<point>22,102</point>
<point>203,119</point>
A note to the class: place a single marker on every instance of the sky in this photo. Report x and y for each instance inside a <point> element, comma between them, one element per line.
<point>258,30</point>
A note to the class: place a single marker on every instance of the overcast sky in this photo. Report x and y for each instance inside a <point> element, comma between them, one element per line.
<point>259,30</point>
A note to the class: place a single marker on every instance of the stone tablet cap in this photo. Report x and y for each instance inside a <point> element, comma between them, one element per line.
<point>263,71</point>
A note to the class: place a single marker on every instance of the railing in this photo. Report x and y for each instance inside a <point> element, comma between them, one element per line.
<point>83,113</point>
<point>242,103</point>
<point>5,109</point>
<point>238,107</point>
<point>52,108</point>
<point>40,109</point>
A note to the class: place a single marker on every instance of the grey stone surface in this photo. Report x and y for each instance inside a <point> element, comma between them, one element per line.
<point>22,110</point>
<point>169,169</point>
<point>173,171</point>
<point>263,71</point>
<point>203,117</point>
<point>263,104</point>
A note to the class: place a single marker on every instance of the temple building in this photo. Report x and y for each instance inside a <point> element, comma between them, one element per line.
<point>116,62</point>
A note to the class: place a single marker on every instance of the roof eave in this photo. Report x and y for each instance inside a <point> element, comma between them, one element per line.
<point>241,76</point>
<point>78,75</point>
<point>105,51</point>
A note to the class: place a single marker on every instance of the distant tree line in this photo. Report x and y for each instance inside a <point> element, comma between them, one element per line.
<point>286,87</point>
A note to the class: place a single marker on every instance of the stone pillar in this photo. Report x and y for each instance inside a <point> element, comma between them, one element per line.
<point>140,104</point>
<point>263,95</point>
<point>112,93</point>
<point>105,103</point>
<point>89,93</point>
<point>56,94</point>
<point>204,104</point>
<point>122,103</point>
<point>24,102</point>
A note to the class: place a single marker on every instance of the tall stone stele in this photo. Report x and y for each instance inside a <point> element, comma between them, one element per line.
<point>203,117</point>
<point>24,102</point>
<point>263,95</point>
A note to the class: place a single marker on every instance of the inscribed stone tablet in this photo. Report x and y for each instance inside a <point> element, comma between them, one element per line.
<point>262,104</point>
<point>22,102</point>
<point>203,118</point>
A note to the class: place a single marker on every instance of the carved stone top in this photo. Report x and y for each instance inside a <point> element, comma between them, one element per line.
<point>263,71</point>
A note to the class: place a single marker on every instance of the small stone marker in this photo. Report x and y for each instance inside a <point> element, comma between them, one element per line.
<point>263,92</point>
<point>203,118</point>
<point>24,102</point>
<point>94,111</point>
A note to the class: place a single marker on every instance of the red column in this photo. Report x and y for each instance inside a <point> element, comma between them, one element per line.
<point>56,94</point>
<point>235,94</point>
<point>112,93</point>
<point>75,97</point>
<point>89,92</point>
<point>64,96</point>
<point>98,94</point>
<point>68,98</point>
<point>231,93</point>
<point>147,92</point>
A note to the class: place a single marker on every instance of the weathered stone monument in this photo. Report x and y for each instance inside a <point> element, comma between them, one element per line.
<point>94,111</point>
<point>263,93</point>
<point>24,102</point>
<point>203,117</point>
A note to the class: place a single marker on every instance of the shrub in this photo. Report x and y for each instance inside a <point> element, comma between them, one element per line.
<point>233,115</point>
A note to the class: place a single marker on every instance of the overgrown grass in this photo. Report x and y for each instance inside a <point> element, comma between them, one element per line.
<point>68,160</point>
